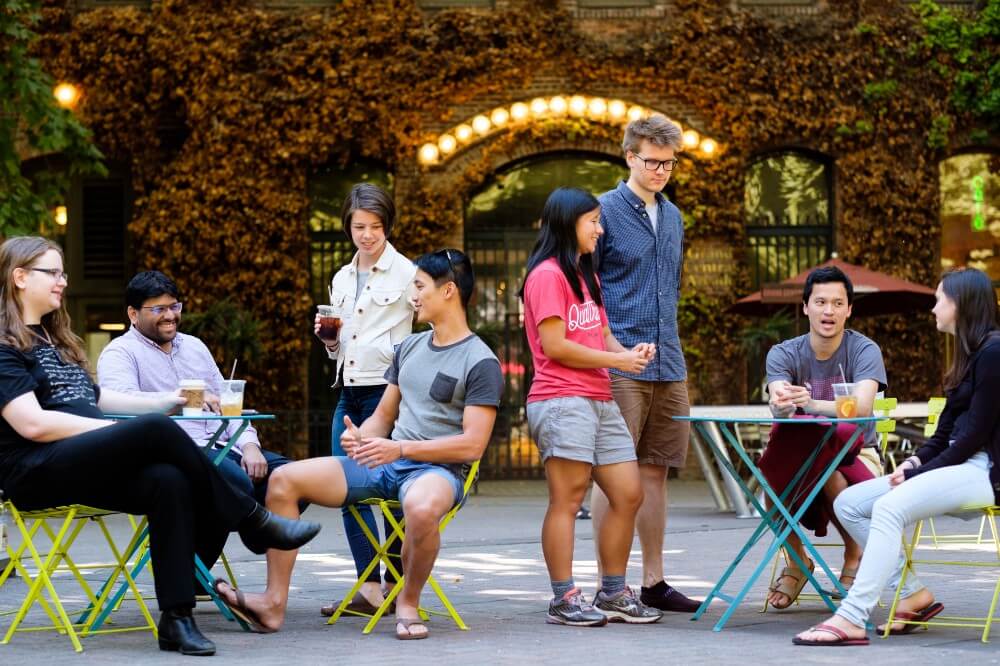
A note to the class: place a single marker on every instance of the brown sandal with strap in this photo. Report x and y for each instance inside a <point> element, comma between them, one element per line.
<point>791,591</point>
<point>403,625</point>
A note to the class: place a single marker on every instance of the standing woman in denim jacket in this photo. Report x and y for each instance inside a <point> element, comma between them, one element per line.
<point>372,293</point>
<point>958,469</point>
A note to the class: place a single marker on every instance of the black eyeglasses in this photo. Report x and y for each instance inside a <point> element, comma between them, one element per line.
<point>653,165</point>
<point>160,309</point>
<point>54,272</point>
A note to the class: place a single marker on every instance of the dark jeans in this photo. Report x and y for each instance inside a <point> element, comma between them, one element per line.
<point>144,466</point>
<point>233,472</point>
<point>359,402</point>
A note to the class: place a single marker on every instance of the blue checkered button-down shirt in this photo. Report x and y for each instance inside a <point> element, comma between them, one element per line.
<point>640,273</point>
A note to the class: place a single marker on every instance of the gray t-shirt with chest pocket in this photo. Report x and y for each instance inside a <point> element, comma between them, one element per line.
<point>438,383</point>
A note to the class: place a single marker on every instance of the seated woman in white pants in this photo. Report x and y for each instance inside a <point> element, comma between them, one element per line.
<point>957,469</point>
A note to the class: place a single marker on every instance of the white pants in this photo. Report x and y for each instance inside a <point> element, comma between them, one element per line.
<point>875,514</point>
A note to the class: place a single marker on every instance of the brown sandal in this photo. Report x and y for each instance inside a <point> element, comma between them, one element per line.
<point>793,590</point>
<point>846,572</point>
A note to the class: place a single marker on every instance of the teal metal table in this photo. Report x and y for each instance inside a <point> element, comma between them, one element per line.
<point>141,537</point>
<point>778,520</point>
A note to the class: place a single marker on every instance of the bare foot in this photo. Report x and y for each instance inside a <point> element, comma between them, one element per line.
<point>269,614</point>
<point>852,631</point>
<point>372,593</point>
<point>911,604</point>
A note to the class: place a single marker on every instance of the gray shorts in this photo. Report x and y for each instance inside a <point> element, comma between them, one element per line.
<point>574,428</point>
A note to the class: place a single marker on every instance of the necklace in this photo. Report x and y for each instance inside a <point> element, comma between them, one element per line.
<point>46,338</point>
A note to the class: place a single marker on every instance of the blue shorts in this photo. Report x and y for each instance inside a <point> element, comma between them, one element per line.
<point>391,481</point>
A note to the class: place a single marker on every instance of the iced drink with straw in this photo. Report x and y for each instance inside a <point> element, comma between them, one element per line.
<point>231,400</point>
<point>845,400</point>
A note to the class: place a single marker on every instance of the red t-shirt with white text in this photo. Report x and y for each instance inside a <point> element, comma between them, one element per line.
<point>548,294</point>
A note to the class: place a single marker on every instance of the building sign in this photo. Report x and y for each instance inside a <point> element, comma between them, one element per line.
<point>709,267</point>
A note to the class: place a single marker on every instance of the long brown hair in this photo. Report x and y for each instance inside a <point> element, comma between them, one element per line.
<point>22,252</point>
<point>976,317</point>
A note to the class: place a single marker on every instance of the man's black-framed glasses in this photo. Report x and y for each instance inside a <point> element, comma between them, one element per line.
<point>160,309</point>
<point>653,165</point>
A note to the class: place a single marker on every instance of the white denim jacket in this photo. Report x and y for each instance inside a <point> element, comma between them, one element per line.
<point>377,322</point>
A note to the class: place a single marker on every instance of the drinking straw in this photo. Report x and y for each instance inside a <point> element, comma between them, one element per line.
<point>232,373</point>
<point>842,375</point>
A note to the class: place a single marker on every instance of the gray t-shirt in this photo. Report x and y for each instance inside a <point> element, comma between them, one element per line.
<point>437,383</point>
<point>795,362</point>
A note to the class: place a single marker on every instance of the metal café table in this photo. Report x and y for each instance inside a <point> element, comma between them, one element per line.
<point>140,539</point>
<point>778,520</point>
<point>726,493</point>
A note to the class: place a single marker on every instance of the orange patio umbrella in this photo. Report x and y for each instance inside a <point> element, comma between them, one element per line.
<point>874,293</point>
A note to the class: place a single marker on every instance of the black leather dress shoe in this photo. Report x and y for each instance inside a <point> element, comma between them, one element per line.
<point>179,633</point>
<point>262,530</point>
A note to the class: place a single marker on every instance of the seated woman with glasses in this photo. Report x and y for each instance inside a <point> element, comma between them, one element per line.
<point>57,448</point>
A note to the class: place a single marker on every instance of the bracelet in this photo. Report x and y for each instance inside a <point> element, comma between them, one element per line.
<point>400,450</point>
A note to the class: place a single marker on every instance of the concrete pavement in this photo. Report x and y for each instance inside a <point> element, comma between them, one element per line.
<point>491,567</point>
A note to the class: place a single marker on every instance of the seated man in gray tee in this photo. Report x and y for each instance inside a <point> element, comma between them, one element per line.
<point>801,373</point>
<point>435,418</point>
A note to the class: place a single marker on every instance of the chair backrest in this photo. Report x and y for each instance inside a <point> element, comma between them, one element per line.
<point>934,408</point>
<point>884,407</point>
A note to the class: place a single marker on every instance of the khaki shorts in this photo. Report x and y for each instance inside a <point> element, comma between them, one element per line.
<point>581,429</point>
<point>869,458</point>
<point>647,408</point>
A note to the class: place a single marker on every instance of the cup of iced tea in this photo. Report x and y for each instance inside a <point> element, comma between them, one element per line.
<point>329,323</point>
<point>231,400</point>
<point>194,391</point>
<point>845,400</point>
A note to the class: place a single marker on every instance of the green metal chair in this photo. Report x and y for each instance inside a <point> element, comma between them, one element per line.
<point>389,509</point>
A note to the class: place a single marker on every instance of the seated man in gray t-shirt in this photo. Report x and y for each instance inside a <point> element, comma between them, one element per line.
<point>435,418</point>
<point>801,373</point>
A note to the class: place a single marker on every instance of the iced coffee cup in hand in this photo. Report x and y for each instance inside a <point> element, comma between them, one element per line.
<point>845,400</point>
<point>329,324</point>
<point>193,391</point>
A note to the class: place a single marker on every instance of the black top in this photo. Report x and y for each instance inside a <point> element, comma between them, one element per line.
<point>970,420</point>
<point>59,386</point>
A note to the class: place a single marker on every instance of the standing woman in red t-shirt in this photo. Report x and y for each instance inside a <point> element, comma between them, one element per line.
<point>572,416</point>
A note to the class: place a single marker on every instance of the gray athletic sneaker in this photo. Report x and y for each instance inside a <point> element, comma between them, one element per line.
<point>626,608</point>
<point>574,611</point>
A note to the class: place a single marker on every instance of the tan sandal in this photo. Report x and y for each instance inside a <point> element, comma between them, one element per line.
<point>790,590</point>
<point>846,572</point>
<point>403,625</point>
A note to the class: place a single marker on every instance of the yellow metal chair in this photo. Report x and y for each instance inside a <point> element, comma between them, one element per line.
<point>41,587</point>
<point>990,518</point>
<point>881,407</point>
<point>389,508</point>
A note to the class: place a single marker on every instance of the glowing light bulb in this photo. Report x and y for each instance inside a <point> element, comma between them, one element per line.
<point>558,104</point>
<point>616,109</point>
<point>577,105</point>
<point>428,153</point>
<point>708,146</point>
<point>539,106</point>
<point>597,107</point>
<point>463,133</point>
<point>67,95</point>
<point>481,124</point>
<point>519,111</point>
<point>691,139</point>
<point>499,117</point>
<point>447,143</point>
<point>61,216</point>
<point>636,112</point>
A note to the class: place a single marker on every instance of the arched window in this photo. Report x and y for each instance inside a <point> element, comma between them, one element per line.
<point>970,212</point>
<point>787,200</point>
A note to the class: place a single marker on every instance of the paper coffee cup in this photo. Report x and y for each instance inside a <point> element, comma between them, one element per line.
<point>194,391</point>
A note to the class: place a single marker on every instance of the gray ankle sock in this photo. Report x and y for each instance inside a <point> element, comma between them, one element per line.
<point>561,587</point>
<point>612,586</point>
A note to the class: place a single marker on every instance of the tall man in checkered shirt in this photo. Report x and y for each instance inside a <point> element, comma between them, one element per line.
<point>639,261</point>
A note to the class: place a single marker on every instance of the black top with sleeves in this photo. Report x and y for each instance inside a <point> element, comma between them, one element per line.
<point>970,421</point>
<point>58,385</point>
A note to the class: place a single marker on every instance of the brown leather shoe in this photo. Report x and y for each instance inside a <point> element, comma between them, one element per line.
<point>664,597</point>
<point>358,605</point>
